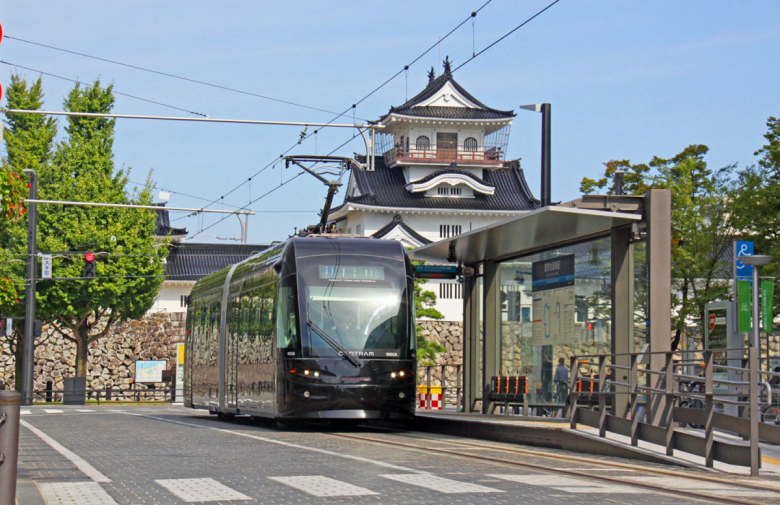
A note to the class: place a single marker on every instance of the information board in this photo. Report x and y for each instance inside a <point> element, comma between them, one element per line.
<point>149,371</point>
<point>717,336</point>
<point>553,301</point>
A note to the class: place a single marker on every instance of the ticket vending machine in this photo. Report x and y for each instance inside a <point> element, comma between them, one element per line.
<point>720,332</point>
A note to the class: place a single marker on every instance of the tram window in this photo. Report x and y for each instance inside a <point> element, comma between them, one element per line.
<point>246,307</point>
<point>286,324</point>
<point>256,315</point>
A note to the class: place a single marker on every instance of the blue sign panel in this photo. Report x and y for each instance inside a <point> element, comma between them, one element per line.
<point>436,271</point>
<point>743,248</point>
<point>553,273</point>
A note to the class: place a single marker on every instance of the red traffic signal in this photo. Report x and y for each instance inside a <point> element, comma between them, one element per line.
<point>89,257</point>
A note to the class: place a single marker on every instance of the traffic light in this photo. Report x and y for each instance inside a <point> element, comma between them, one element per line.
<point>89,266</point>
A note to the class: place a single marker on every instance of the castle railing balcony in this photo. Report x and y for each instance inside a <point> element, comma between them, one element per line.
<point>459,155</point>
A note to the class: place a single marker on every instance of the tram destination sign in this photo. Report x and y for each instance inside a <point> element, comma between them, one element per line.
<point>436,271</point>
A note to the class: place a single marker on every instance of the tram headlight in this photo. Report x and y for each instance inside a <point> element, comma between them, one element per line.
<point>401,373</point>
<point>306,394</point>
<point>306,372</point>
<point>401,395</point>
<point>393,375</point>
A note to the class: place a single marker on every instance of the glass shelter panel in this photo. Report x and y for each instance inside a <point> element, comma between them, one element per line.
<point>554,304</point>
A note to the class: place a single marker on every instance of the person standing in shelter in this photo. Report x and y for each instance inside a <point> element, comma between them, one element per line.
<point>561,381</point>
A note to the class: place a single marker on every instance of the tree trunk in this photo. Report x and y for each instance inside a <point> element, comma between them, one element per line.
<point>82,350</point>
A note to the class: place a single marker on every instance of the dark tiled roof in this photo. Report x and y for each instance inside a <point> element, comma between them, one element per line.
<point>398,221</point>
<point>164,228</point>
<point>452,113</point>
<point>190,261</point>
<point>453,171</point>
<point>483,112</point>
<point>385,187</point>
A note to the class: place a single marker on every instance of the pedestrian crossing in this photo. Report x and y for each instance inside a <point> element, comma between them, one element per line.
<point>196,490</point>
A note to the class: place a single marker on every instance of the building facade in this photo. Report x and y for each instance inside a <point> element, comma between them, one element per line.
<point>440,171</point>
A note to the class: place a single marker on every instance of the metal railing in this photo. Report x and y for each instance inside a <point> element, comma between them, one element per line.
<point>666,388</point>
<point>451,394</point>
<point>459,154</point>
<point>108,395</point>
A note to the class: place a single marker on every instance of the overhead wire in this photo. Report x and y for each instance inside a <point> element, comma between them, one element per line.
<point>510,32</point>
<point>167,74</point>
<point>354,105</point>
<point>113,90</point>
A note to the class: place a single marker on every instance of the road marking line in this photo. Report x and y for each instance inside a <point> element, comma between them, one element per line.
<point>319,485</point>
<point>88,470</point>
<point>446,486</point>
<point>84,410</point>
<point>567,484</point>
<point>53,411</point>
<point>25,412</point>
<point>200,490</point>
<point>68,493</point>
<point>286,444</point>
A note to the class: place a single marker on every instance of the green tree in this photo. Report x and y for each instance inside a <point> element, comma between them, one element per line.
<point>755,209</point>
<point>700,226</point>
<point>129,267</point>
<point>29,141</point>
<point>424,306</point>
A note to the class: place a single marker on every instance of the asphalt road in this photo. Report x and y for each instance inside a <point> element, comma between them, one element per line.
<point>165,454</point>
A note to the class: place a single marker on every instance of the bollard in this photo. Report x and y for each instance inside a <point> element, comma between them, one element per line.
<point>10,402</point>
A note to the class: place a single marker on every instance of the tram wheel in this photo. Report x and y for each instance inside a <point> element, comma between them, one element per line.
<point>286,424</point>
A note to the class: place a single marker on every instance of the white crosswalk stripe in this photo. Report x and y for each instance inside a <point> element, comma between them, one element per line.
<point>567,484</point>
<point>85,410</point>
<point>24,412</point>
<point>318,485</point>
<point>446,486</point>
<point>201,490</point>
<point>71,493</point>
<point>53,411</point>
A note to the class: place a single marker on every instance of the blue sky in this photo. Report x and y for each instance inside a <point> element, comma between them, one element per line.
<point>626,79</point>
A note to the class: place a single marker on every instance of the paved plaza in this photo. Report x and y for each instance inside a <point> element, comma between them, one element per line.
<point>167,454</point>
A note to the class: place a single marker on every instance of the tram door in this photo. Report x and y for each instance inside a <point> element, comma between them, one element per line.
<point>231,352</point>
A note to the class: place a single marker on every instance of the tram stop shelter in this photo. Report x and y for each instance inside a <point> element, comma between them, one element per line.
<point>589,276</point>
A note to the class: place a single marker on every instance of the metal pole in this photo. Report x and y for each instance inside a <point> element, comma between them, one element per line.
<point>546,154</point>
<point>9,444</point>
<point>29,308</point>
<point>187,119</point>
<point>756,338</point>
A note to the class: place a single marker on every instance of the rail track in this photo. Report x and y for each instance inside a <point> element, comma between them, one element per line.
<point>401,439</point>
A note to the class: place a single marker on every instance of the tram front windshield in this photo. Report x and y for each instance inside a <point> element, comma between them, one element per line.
<point>361,303</point>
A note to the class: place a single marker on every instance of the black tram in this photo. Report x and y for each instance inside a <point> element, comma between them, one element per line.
<point>318,327</point>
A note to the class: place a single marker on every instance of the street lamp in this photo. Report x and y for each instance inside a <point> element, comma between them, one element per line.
<point>756,260</point>
<point>544,108</point>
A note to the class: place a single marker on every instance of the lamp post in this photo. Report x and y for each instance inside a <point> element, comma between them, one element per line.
<point>756,260</point>
<point>544,108</point>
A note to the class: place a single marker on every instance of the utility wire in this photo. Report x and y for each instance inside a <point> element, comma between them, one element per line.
<point>166,74</point>
<point>209,199</point>
<point>353,106</point>
<point>113,91</point>
<point>510,32</point>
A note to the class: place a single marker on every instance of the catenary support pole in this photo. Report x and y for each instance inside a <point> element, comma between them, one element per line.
<point>29,295</point>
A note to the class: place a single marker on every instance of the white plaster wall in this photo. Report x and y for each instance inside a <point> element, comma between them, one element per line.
<point>169,297</point>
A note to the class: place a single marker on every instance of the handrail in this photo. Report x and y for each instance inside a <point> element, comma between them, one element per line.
<point>658,384</point>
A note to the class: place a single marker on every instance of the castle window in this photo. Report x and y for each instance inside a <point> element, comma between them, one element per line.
<point>423,142</point>
<point>359,229</point>
<point>449,230</point>
<point>470,144</point>
<point>449,291</point>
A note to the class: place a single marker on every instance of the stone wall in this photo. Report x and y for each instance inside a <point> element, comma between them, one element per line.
<point>450,335</point>
<point>111,360</point>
